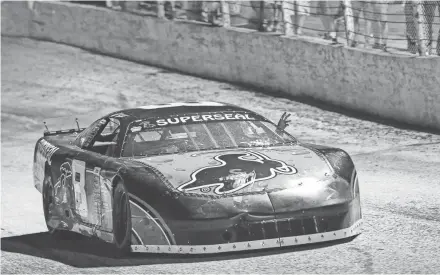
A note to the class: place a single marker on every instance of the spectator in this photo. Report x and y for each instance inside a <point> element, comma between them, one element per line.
<point>170,9</point>
<point>410,10</point>
<point>365,8</point>
<point>175,9</point>
<point>428,16</point>
<point>302,11</point>
<point>193,10</point>
<point>273,15</point>
<point>115,5</point>
<point>330,12</point>
<point>300,8</point>
<point>275,8</point>
<point>375,15</point>
<point>234,7</point>
<point>380,24</point>
<point>211,12</point>
<point>182,8</point>
<point>438,35</point>
<point>423,12</point>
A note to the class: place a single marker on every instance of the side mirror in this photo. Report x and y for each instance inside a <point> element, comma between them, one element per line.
<point>283,122</point>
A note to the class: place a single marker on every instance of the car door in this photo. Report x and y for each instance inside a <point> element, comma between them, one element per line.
<point>91,177</point>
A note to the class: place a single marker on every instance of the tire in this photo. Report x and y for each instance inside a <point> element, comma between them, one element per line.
<point>48,198</point>
<point>121,219</point>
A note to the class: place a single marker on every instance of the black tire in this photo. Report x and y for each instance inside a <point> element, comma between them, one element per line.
<point>121,219</point>
<point>48,198</point>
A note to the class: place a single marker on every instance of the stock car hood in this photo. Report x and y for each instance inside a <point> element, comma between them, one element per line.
<point>235,172</point>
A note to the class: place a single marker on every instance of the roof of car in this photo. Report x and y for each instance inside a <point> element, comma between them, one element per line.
<point>179,108</point>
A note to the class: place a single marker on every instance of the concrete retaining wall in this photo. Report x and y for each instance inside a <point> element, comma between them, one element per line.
<point>405,89</point>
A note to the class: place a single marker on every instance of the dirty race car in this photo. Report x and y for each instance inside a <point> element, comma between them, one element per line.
<point>196,178</point>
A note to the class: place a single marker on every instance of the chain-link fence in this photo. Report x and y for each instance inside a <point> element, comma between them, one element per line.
<point>404,25</point>
<point>396,26</point>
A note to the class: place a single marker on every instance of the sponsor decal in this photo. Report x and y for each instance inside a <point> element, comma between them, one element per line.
<point>147,124</point>
<point>63,187</point>
<point>78,170</point>
<point>136,129</point>
<point>179,120</point>
<point>63,197</point>
<point>235,171</point>
<point>96,195</point>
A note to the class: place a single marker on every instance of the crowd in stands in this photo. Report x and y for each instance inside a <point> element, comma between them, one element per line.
<point>371,19</point>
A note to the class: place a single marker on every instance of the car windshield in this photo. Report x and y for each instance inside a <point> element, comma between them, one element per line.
<point>145,139</point>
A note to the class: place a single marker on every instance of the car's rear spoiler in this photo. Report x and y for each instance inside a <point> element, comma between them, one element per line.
<point>70,122</point>
<point>60,132</point>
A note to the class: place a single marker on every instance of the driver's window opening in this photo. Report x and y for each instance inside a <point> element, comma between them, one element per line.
<point>87,138</point>
<point>111,129</point>
<point>101,137</point>
<point>175,139</point>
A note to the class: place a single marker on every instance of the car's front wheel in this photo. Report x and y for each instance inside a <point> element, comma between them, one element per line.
<point>121,219</point>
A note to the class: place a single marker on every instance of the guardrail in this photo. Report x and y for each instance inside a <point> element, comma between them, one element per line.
<point>394,26</point>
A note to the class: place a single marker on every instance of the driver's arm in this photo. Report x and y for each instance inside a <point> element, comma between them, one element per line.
<point>279,132</point>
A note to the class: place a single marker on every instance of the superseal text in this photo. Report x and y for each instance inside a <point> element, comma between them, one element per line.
<point>195,118</point>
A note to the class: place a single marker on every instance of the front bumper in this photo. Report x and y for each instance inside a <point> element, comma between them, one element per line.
<point>353,230</point>
<point>250,232</point>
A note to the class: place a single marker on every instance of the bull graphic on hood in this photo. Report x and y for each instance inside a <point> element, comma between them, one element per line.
<point>235,172</point>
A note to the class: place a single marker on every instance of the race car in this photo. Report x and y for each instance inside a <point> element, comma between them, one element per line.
<point>194,177</point>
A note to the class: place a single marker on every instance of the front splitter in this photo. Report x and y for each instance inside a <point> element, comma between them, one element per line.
<point>354,230</point>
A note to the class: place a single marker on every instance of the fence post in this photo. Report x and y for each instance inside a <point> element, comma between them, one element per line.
<point>261,17</point>
<point>160,9</point>
<point>225,13</point>
<point>349,23</point>
<point>287,15</point>
<point>421,27</point>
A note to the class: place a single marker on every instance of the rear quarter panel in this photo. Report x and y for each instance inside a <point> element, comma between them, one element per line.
<point>87,176</point>
<point>43,154</point>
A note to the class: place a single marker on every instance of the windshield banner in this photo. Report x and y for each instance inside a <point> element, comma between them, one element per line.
<point>190,119</point>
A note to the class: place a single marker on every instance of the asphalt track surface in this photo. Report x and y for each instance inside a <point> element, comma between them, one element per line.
<point>398,170</point>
